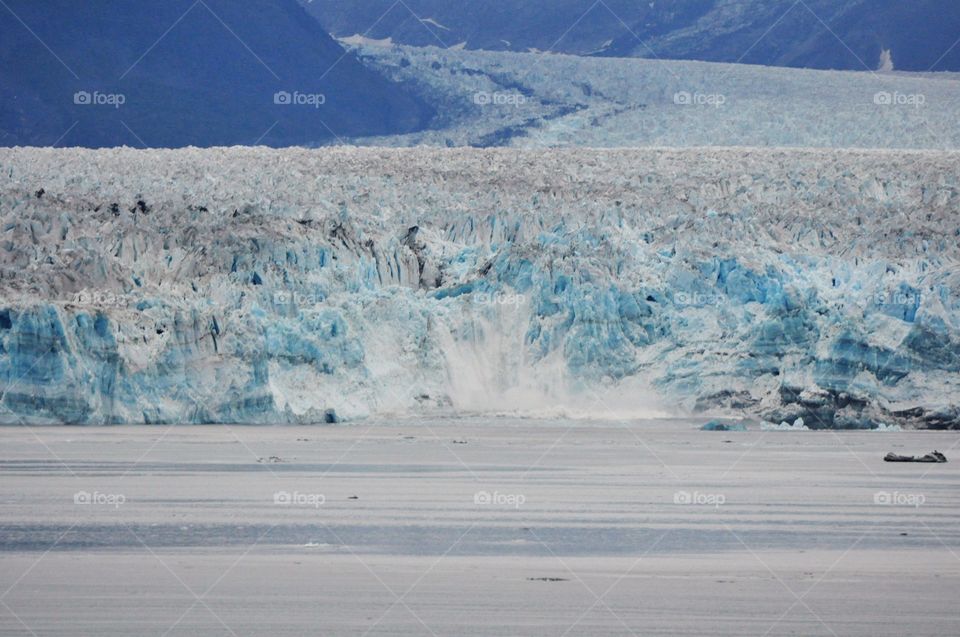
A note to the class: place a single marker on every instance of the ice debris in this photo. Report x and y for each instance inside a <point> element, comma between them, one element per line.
<point>785,426</point>
<point>717,425</point>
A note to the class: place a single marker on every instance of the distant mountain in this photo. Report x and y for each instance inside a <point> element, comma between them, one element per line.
<point>166,73</point>
<point>826,34</point>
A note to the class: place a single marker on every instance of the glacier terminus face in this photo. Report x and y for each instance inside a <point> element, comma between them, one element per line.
<point>305,286</point>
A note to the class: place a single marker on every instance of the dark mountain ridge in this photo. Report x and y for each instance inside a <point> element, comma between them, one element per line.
<point>826,34</point>
<point>164,73</point>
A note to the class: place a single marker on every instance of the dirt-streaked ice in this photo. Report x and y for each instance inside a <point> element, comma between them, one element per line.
<point>530,100</point>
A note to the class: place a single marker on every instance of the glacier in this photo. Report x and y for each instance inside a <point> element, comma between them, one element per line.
<point>529,100</point>
<point>249,285</point>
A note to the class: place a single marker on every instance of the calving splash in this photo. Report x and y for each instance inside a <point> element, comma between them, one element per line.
<point>492,368</point>
<point>295,286</point>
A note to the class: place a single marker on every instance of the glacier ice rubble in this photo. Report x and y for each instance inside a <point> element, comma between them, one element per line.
<point>797,425</point>
<point>263,286</point>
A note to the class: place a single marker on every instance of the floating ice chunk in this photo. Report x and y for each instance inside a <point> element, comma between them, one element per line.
<point>884,427</point>
<point>717,425</point>
<point>785,426</point>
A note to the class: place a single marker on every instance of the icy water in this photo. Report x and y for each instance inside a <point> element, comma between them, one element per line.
<point>476,527</point>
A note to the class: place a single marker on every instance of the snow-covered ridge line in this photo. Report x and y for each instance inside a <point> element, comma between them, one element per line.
<point>254,285</point>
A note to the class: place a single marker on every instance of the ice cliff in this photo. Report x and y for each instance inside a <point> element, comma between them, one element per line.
<point>261,286</point>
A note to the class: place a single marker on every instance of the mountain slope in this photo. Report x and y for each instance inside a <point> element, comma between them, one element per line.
<point>178,72</point>
<point>816,34</point>
<point>849,34</point>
